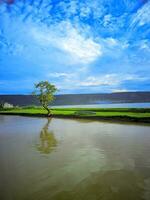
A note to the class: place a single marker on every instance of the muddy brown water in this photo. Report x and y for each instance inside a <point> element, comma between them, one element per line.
<point>64,159</point>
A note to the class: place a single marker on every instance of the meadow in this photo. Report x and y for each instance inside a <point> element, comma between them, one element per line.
<point>119,114</point>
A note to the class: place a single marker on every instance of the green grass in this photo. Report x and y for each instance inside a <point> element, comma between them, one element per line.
<point>126,114</point>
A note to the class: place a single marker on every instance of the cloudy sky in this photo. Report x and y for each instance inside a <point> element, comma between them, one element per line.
<point>81,46</point>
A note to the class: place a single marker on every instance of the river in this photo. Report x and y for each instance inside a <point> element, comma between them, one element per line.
<point>65,159</point>
<point>107,105</point>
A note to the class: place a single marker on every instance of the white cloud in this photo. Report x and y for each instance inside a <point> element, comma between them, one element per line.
<point>105,80</point>
<point>112,47</point>
<point>84,10</point>
<point>144,44</point>
<point>120,90</point>
<point>59,75</point>
<point>107,19</point>
<point>84,49</point>
<point>78,47</point>
<point>142,16</point>
<point>69,40</point>
<point>109,80</point>
<point>111,42</point>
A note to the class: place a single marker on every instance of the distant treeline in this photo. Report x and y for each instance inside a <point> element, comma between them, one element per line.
<point>80,99</point>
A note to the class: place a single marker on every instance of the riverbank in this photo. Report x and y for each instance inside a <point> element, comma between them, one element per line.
<point>108,114</point>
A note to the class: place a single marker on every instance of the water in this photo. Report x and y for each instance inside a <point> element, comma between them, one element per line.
<point>108,105</point>
<point>62,159</point>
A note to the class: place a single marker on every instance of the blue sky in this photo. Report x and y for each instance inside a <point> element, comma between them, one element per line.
<point>81,46</point>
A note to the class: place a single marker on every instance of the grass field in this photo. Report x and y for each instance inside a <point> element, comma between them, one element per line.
<point>119,114</point>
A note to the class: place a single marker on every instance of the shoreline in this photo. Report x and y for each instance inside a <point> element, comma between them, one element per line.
<point>123,119</point>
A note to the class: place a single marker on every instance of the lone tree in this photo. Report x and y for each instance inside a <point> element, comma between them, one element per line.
<point>44,91</point>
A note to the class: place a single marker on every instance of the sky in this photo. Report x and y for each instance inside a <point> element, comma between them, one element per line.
<point>81,46</point>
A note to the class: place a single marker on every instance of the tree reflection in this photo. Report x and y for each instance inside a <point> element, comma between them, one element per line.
<point>47,140</point>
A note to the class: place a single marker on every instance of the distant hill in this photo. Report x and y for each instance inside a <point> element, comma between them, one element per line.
<point>80,99</point>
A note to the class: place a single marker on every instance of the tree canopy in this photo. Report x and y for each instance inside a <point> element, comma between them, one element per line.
<point>44,91</point>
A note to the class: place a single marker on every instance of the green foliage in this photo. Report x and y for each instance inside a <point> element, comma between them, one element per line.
<point>44,91</point>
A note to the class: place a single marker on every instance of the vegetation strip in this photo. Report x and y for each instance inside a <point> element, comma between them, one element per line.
<point>110,114</point>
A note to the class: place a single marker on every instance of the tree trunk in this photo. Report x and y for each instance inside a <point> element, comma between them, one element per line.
<point>48,111</point>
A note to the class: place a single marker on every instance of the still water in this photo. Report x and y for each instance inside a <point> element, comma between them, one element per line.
<point>62,159</point>
<point>108,105</point>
